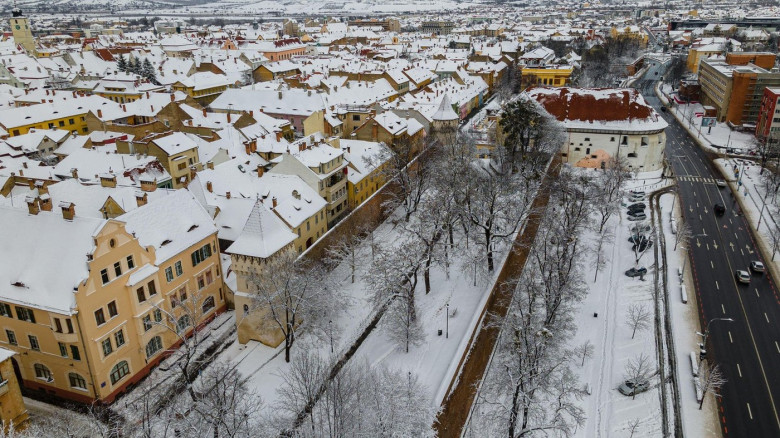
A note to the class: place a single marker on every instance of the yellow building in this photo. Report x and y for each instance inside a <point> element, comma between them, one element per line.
<point>555,76</point>
<point>204,87</point>
<point>87,297</point>
<point>177,153</point>
<point>367,168</point>
<point>631,32</point>
<point>13,412</point>
<point>70,115</point>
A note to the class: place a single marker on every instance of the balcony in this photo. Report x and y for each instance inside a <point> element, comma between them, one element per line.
<point>66,338</point>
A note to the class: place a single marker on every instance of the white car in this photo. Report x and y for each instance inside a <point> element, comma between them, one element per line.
<point>742,276</point>
<point>757,266</point>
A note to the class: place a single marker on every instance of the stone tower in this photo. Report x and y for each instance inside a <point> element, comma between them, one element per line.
<point>20,27</point>
<point>444,123</point>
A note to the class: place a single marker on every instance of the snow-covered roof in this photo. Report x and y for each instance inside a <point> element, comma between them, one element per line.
<point>263,235</point>
<point>170,224</point>
<point>44,257</point>
<point>445,111</point>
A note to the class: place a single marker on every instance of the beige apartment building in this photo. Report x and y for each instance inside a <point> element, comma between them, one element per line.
<point>95,304</point>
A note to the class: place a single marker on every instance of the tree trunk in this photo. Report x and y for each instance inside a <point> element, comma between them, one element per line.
<point>489,247</point>
<point>427,275</point>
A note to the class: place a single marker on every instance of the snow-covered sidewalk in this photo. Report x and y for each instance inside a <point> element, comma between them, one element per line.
<point>685,323</point>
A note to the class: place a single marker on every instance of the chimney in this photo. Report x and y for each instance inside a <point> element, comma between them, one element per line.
<point>309,92</point>
<point>209,187</point>
<point>173,97</point>
<point>193,172</point>
<point>68,210</point>
<point>280,94</point>
<point>42,188</point>
<point>260,171</point>
<point>254,145</point>
<point>100,113</point>
<point>302,146</point>
<point>204,112</point>
<point>228,118</point>
<point>273,202</point>
<point>74,173</point>
<point>32,205</point>
<point>149,185</point>
<point>227,195</point>
<point>147,94</point>
<point>348,149</point>
<point>124,108</point>
<point>46,204</point>
<point>248,148</point>
<point>141,198</point>
<point>152,107</point>
<point>210,165</point>
<point>251,113</point>
<point>108,180</point>
<point>278,135</point>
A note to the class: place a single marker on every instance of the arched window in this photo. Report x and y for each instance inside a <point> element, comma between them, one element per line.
<point>42,372</point>
<point>182,323</point>
<point>153,346</point>
<point>119,371</point>
<point>76,381</point>
<point>208,304</point>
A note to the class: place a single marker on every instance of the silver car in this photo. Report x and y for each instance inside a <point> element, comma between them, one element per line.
<point>742,276</point>
<point>631,387</point>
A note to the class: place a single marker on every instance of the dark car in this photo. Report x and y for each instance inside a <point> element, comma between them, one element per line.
<point>719,209</point>
<point>635,210</point>
<point>637,238</point>
<point>642,245</point>
<point>636,272</point>
<point>637,205</point>
<point>663,109</point>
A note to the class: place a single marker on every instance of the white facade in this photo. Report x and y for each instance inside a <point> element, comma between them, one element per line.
<point>643,151</point>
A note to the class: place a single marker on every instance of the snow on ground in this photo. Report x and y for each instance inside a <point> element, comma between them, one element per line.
<point>685,323</point>
<point>752,198</point>
<point>608,412</point>
<point>434,361</point>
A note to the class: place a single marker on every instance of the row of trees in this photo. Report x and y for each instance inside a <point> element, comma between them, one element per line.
<point>144,68</point>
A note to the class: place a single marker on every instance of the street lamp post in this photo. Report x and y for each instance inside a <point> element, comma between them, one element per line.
<point>447,332</point>
<point>706,334</point>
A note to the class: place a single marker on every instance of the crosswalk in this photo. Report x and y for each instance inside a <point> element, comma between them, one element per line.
<point>696,179</point>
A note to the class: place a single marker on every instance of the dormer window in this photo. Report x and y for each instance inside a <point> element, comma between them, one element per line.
<point>192,228</point>
<point>165,242</point>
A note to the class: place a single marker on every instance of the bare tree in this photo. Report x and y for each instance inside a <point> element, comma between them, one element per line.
<point>683,235</point>
<point>604,240</point>
<point>392,280</point>
<point>411,173</point>
<point>346,250</point>
<point>296,292</point>
<point>639,370</point>
<point>633,426</point>
<point>608,188</point>
<point>710,379</point>
<point>183,319</point>
<point>638,318</point>
<point>585,350</point>
<point>494,206</point>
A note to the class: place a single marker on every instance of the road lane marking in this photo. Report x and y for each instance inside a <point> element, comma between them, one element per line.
<point>732,341</point>
<point>739,370</point>
<point>743,252</point>
<point>757,293</point>
<point>777,346</point>
<point>708,246</point>
<point>766,317</point>
<point>722,307</point>
<point>712,264</point>
<point>731,222</point>
<point>749,411</point>
<point>716,285</point>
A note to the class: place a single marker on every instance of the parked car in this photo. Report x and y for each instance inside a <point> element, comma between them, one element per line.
<point>637,192</point>
<point>720,183</point>
<point>640,228</point>
<point>663,108</point>
<point>642,245</point>
<point>742,276</point>
<point>636,197</point>
<point>636,238</point>
<point>635,210</point>
<point>636,272</point>
<point>756,266</point>
<point>640,216</point>
<point>719,209</point>
<point>632,387</point>
<point>637,205</point>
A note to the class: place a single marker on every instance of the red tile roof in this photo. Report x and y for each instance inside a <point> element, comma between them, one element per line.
<point>593,104</point>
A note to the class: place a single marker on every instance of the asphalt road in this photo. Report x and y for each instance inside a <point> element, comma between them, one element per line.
<point>747,349</point>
